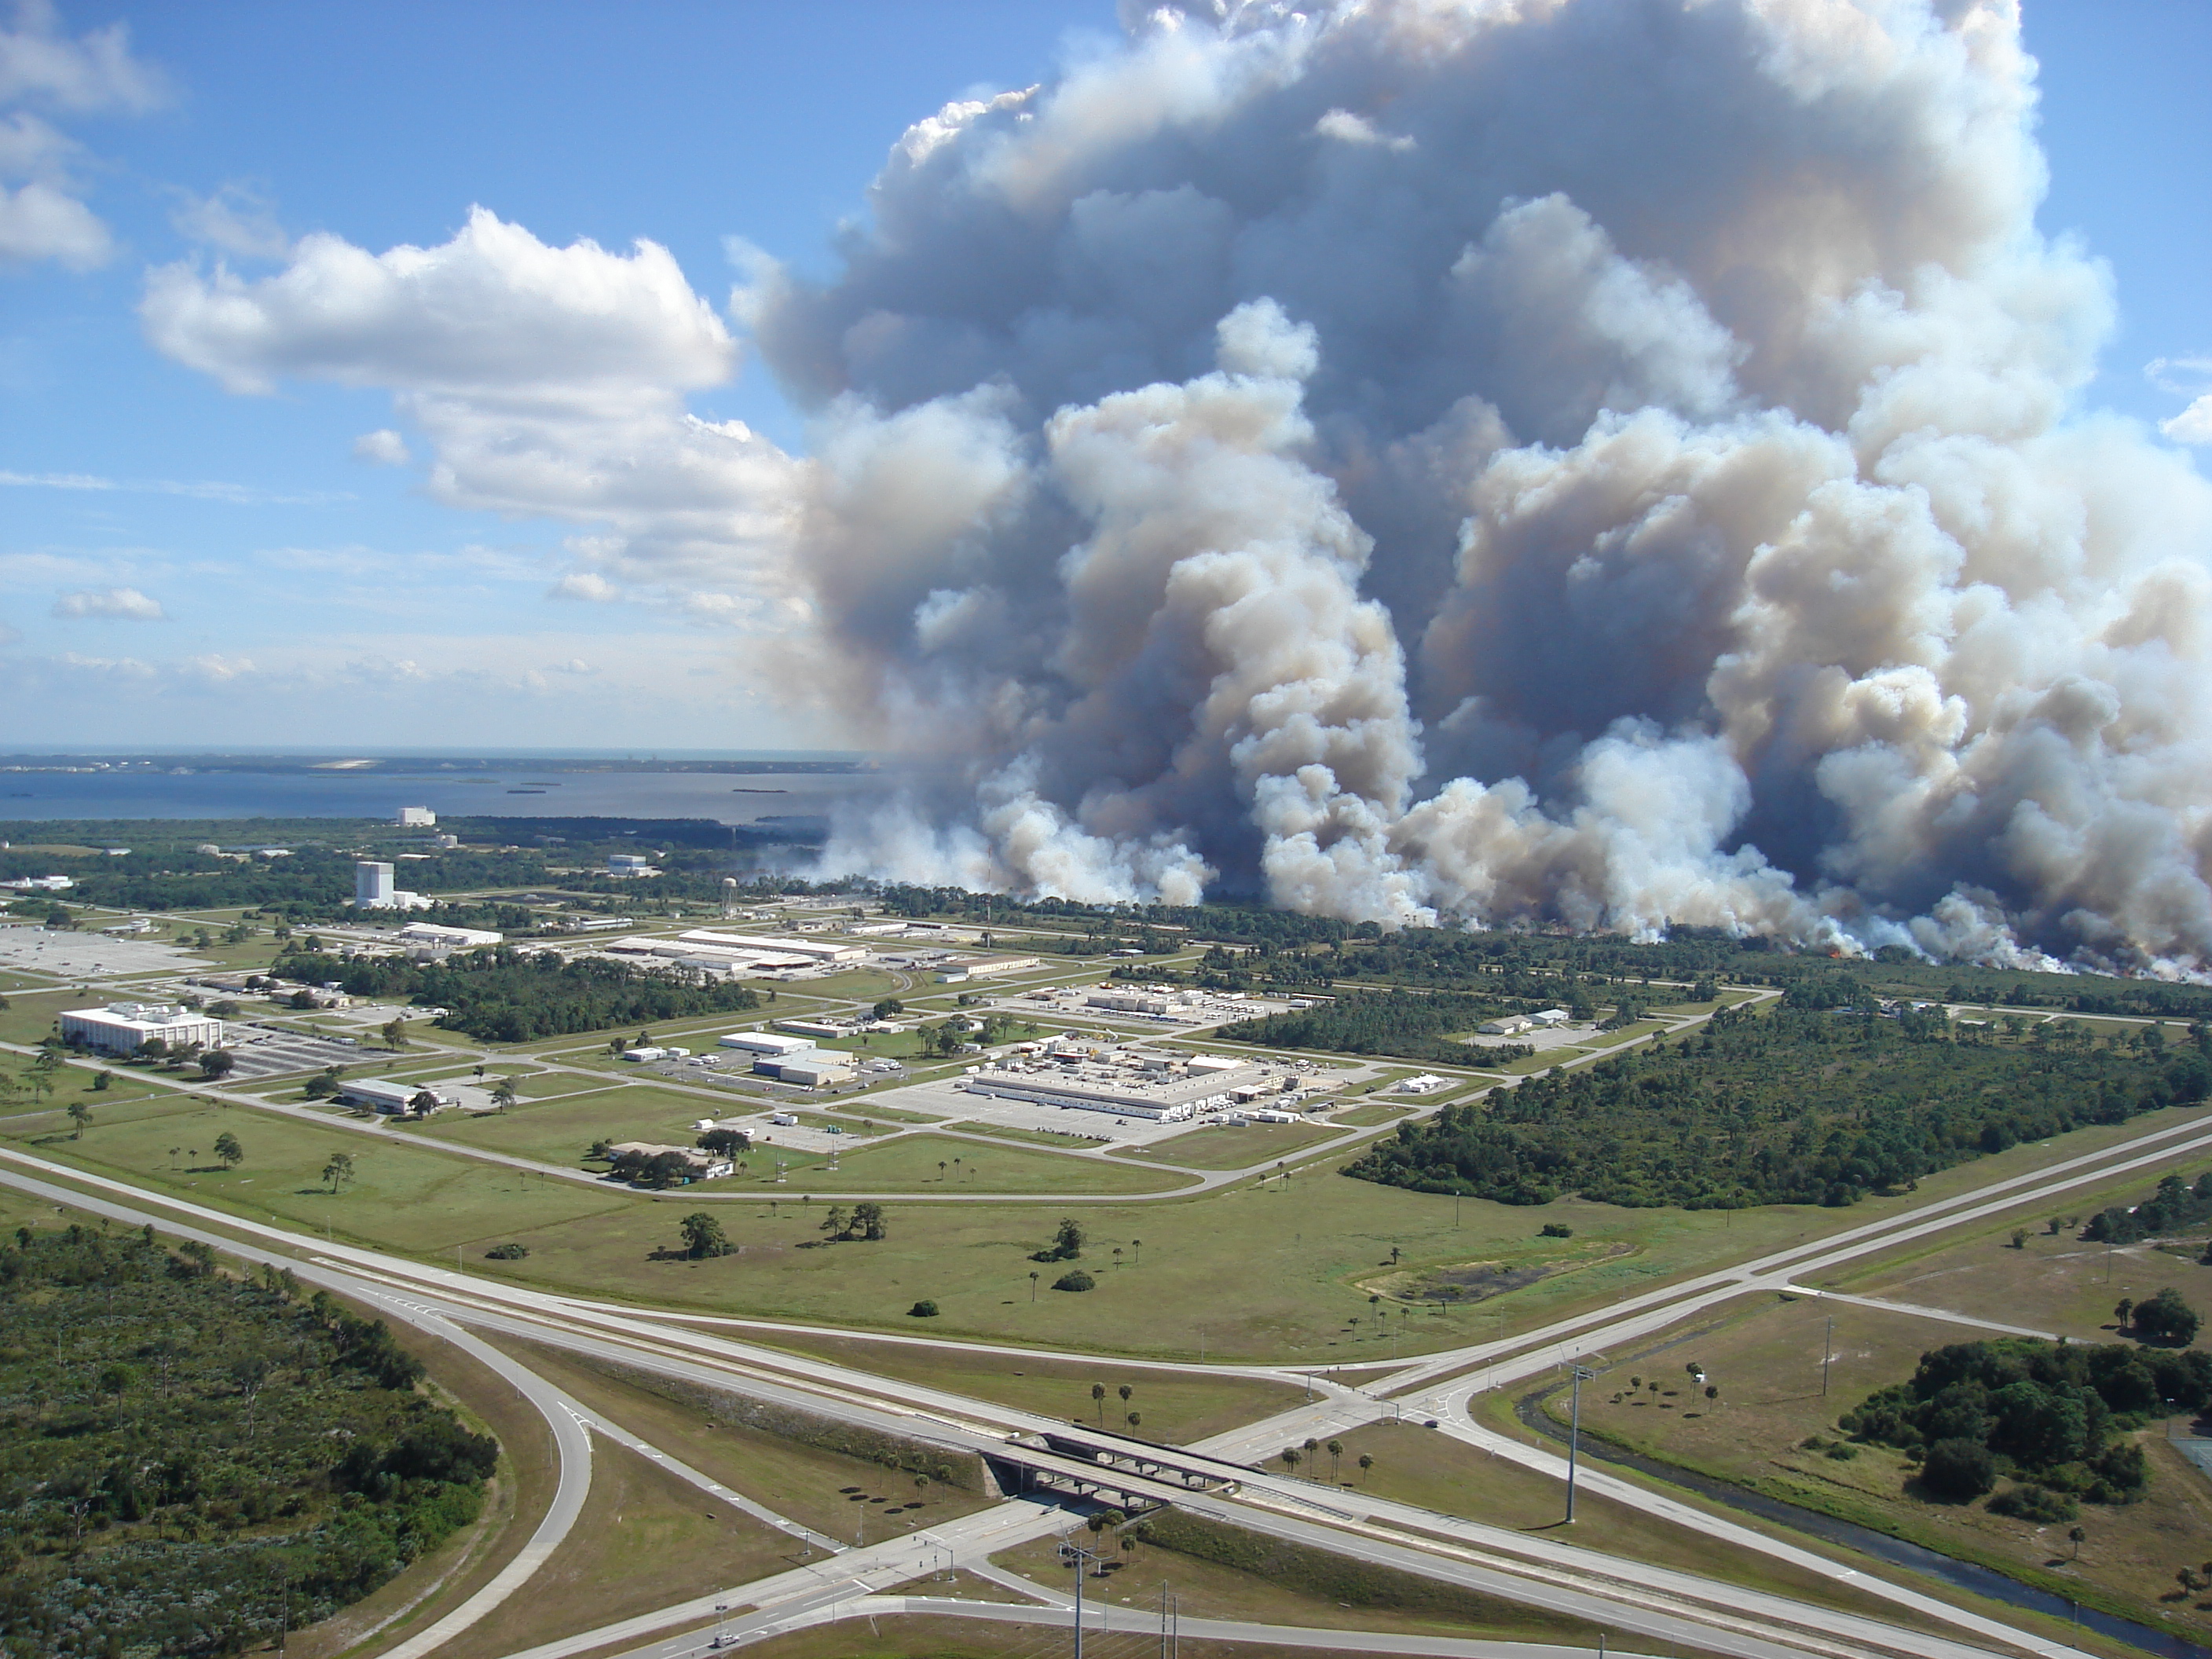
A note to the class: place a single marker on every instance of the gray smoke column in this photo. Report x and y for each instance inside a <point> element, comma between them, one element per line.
<point>1616,462</point>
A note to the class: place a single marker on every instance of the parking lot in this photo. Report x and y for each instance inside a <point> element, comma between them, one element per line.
<point>260,1051</point>
<point>90,956</point>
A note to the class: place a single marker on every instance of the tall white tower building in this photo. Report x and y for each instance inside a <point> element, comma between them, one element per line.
<point>372,886</point>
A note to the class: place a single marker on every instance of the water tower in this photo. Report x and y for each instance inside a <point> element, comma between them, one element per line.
<point>729,897</point>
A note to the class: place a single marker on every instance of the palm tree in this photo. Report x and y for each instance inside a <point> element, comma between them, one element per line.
<point>1138,1245</point>
<point>502,1094</point>
<point>1335,1455</point>
<point>1117,1255</point>
<point>1099,1399</point>
<point>1366,1462</point>
<point>1290,1456</point>
<point>940,1169</point>
<point>80,1115</point>
<point>1033,1284</point>
<point>1135,1418</point>
<point>1125,1391</point>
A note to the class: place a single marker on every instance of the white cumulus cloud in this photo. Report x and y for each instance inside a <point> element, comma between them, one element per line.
<point>116,603</point>
<point>384,447</point>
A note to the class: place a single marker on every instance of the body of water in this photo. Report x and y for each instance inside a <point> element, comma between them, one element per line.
<point>734,798</point>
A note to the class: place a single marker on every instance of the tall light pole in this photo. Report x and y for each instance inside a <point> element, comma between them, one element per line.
<point>1827,1353</point>
<point>1583,1374</point>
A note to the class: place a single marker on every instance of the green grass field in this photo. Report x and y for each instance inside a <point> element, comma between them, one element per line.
<point>404,1197</point>
<point>1234,1145</point>
<point>909,1163</point>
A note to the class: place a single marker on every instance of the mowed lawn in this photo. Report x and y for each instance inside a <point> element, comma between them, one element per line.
<point>403,1197</point>
<point>909,1163</point>
<point>1178,1407</point>
<point>1235,1146</point>
<point>562,1130</point>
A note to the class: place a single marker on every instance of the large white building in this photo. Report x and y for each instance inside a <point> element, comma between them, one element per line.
<point>814,950</point>
<point>371,886</point>
<point>123,1027</point>
<point>766,1043</point>
<point>448,939</point>
<point>414,817</point>
<point>372,889</point>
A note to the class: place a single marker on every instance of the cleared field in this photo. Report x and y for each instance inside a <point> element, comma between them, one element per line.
<point>1233,1145</point>
<point>30,1015</point>
<point>1363,1117</point>
<point>1178,1407</point>
<point>1765,1357</point>
<point>401,1197</point>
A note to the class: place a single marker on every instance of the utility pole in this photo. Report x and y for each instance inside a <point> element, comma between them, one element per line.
<point>1827,1354</point>
<point>1583,1374</point>
<point>1080,1559</point>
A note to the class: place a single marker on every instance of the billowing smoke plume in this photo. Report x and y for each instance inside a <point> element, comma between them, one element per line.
<point>1612,462</point>
<point>1607,461</point>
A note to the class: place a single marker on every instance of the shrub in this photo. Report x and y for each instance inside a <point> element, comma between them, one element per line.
<point>1077,1280</point>
<point>506,1252</point>
<point>2036,1504</point>
<point>1553,1229</point>
<point>922,1309</point>
<point>1957,1471</point>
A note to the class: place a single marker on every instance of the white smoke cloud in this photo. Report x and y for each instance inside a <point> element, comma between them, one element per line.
<point>1613,462</point>
<point>1676,508</point>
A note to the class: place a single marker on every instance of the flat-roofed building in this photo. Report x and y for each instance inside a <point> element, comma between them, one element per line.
<point>448,939</point>
<point>1124,1091</point>
<point>414,818</point>
<point>124,1027</point>
<point>812,1070</point>
<point>766,1043</point>
<point>394,1099</point>
<point>814,950</point>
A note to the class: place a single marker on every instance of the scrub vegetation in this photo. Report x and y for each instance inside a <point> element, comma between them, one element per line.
<point>1800,1106</point>
<point>192,1462</point>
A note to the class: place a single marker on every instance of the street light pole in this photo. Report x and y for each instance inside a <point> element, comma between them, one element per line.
<point>1827,1353</point>
<point>1583,1374</point>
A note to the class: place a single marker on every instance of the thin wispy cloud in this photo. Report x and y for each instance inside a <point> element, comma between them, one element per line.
<point>197,489</point>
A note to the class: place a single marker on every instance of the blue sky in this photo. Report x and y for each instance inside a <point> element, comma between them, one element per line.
<point>182,562</point>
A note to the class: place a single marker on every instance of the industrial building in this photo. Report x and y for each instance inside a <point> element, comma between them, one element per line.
<point>766,1043</point>
<point>1152,1088</point>
<point>813,949</point>
<point>447,938</point>
<point>1130,1002</point>
<point>984,968</point>
<point>812,1070</point>
<point>123,1027</point>
<point>414,818</point>
<point>394,1099</point>
<point>1505,1026</point>
<point>629,864</point>
<point>727,959</point>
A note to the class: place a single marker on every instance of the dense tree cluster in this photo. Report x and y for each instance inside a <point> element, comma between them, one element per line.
<point>2175,1207</point>
<point>2053,1416</point>
<point>1797,1108</point>
<point>1411,1026</point>
<point>503,994</point>
<point>190,1462</point>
